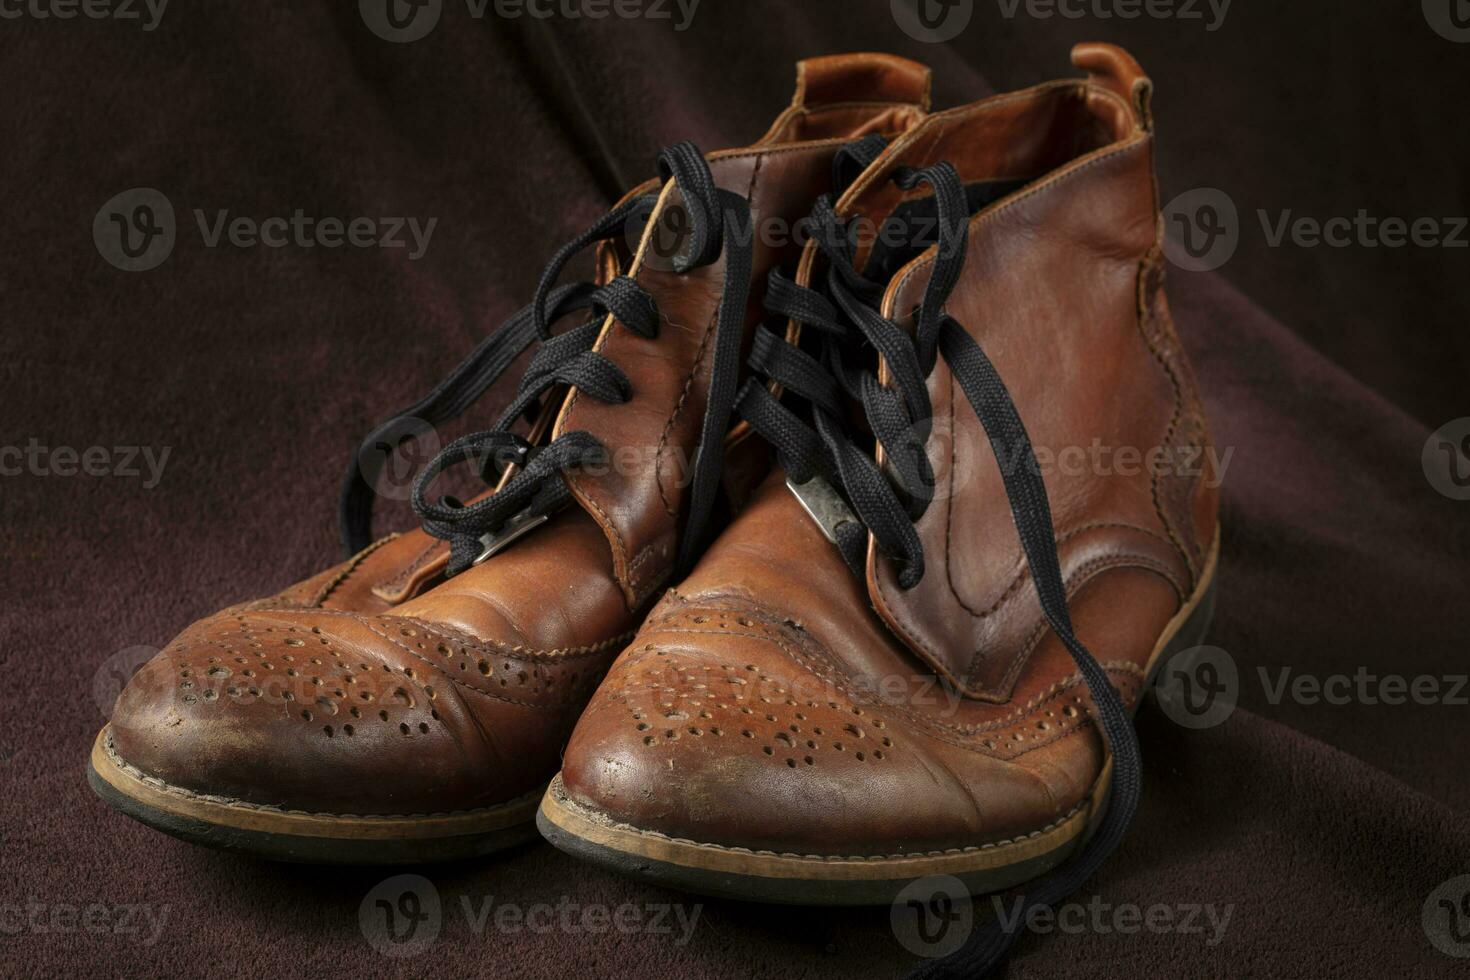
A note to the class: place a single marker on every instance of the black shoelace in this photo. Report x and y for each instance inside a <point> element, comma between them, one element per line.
<point>849,331</point>
<point>718,223</point>
<point>447,402</point>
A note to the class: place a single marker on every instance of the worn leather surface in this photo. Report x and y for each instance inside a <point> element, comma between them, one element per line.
<point>424,695</point>
<point>772,701</point>
<point>1061,289</point>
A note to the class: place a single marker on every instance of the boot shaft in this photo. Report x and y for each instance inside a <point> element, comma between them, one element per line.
<point>1062,287</point>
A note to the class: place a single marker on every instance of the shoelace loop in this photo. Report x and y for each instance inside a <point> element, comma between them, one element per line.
<point>570,360</point>
<point>447,402</point>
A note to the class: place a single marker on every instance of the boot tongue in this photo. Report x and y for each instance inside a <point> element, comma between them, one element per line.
<point>861,77</point>
<point>845,96</point>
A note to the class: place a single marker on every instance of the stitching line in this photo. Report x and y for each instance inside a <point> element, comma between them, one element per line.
<point>520,652</point>
<point>1145,308</point>
<point>1082,576</point>
<point>1025,571</point>
<point>398,581</point>
<point>602,819</point>
<point>496,695</point>
<point>663,439</point>
<point>352,565</point>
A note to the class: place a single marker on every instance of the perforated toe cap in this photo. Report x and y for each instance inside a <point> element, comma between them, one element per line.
<point>725,726</point>
<point>327,712</point>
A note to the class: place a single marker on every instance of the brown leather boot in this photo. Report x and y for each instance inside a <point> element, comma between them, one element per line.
<point>902,657</point>
<point>412,703</point>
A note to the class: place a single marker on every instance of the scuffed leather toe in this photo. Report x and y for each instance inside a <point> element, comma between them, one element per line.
<point>725,724</point>
<point>342,713</point>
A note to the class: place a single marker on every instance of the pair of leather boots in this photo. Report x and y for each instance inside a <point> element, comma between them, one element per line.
<point>780,587</point>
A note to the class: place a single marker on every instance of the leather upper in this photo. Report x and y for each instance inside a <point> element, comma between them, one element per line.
<point>1059,287</point>
<point>774,701</point>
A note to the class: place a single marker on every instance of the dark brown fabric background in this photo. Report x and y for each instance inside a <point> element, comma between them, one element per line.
<point>1325,370</point>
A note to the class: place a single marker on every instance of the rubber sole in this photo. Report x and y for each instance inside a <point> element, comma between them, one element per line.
<point>308,838</point>
<point>798,879</point>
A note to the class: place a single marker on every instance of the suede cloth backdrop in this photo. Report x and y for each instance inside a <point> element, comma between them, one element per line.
<point>1323,828</point>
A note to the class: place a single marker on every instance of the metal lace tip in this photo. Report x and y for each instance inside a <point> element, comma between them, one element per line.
<point>517,527</point>
<point>823,504</point>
